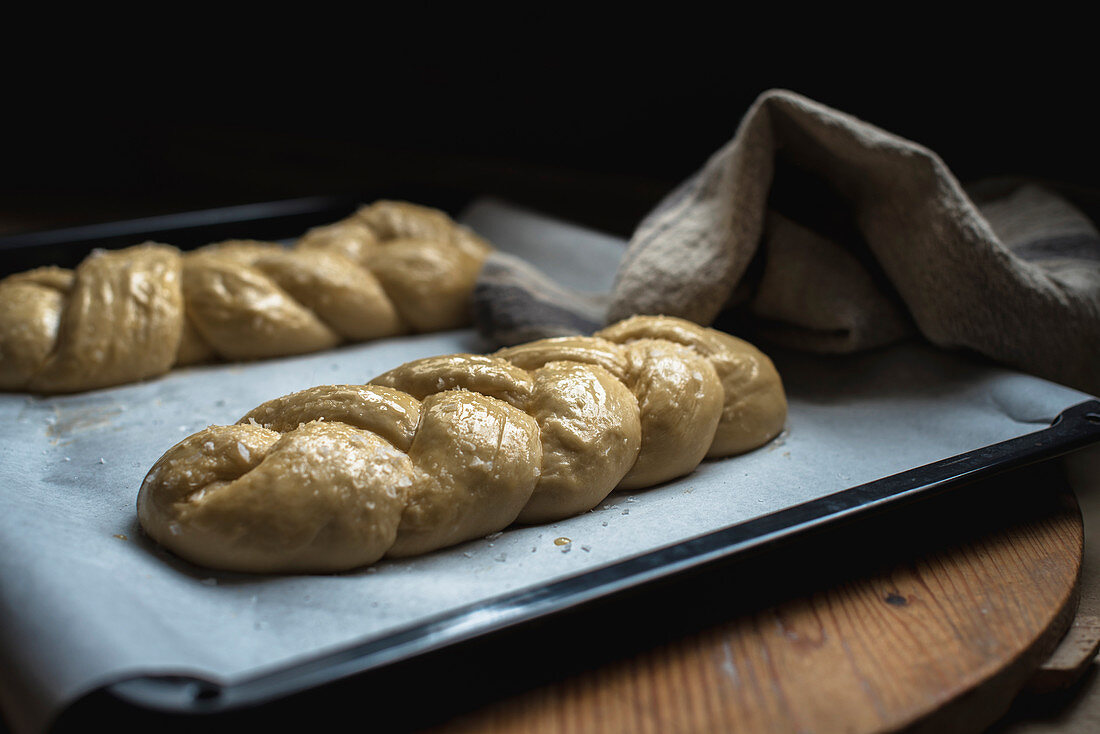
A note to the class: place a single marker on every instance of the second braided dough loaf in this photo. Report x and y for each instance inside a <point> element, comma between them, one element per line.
<point>446,449</point>
<point>127,315</point>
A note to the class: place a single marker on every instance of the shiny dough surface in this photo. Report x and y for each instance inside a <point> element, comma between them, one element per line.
<point>447,449</point>
<point>131,314</point>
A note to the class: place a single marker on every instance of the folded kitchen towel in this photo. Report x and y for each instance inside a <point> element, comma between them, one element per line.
<point>828,234</point>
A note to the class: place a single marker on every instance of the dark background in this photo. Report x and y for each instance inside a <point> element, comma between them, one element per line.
<point>592,130</point>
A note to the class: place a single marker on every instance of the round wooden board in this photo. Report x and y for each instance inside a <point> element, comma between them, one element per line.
<point>939,636</point>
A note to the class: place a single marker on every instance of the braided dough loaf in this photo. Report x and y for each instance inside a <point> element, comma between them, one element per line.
<point>447,449</point>
<point>131,314</point>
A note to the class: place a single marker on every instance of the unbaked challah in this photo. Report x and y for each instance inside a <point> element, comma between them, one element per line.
<point>447,449</point>
<point>131,314</point>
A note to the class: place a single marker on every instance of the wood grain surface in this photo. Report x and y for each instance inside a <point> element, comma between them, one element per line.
<point>937,641</point>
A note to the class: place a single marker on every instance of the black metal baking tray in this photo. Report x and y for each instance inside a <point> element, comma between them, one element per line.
<point>514,618</point>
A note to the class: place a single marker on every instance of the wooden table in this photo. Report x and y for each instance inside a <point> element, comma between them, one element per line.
<point>938,622</point>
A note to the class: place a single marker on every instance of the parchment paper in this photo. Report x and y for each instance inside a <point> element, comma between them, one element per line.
<point>86,599</point>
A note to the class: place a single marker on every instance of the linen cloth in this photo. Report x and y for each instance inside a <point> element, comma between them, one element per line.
<point>816,230</point>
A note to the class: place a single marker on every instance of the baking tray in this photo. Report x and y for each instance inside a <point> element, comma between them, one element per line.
<point>1005,395</point>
